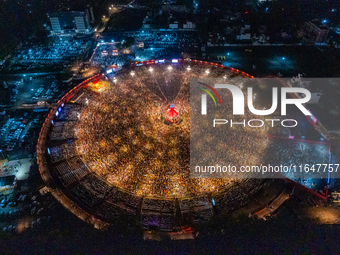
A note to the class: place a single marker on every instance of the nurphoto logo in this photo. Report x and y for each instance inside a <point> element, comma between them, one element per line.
<point>238,99</point>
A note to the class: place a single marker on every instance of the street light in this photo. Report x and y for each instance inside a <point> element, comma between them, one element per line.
<point>2,154</point>
<point>169,67</point>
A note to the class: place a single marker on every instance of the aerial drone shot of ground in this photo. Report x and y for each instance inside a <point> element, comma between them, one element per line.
<point>121,145</point>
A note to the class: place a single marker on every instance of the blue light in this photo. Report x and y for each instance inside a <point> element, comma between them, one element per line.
<point>283,58</point>
<point>228,53</point>
<point>59,109</point>
<point>102,41</point>
<point>112,40</point>
<point>267,9</point>
<point>48,151</point>
<point>213,201</point>
<point>324,21</point>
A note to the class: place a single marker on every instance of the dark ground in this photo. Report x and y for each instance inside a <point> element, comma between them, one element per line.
<point>284,233</point>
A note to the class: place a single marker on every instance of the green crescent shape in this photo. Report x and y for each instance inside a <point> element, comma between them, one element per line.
<point>208,94</point>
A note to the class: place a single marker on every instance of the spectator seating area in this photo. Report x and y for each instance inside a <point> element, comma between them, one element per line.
<point>63,151</point>
<point>158,213</point>
<point>63,130</point>
<point>196,209</point>
<point>90,191</point>
<point>117,202</point>
<point>252,185</point>
<point>231,198</point>
<point>69,112</point>
<point>71,171</point>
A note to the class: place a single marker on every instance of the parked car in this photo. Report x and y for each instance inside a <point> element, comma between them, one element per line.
<point>3,203</point>
<point>13,204</point>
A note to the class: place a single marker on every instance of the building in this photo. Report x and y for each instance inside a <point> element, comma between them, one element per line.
<point>189,25</point>
<point>174,25</point>
<point>69,23</point>
<point>173,7</point>
<point>314,32</point>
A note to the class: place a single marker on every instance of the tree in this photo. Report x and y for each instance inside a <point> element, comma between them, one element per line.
<point>129,41</point>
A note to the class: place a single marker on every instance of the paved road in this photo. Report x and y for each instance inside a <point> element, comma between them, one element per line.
<point>32,74</point>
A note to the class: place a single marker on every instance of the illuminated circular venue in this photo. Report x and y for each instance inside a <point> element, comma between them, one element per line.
<point>121,145</point>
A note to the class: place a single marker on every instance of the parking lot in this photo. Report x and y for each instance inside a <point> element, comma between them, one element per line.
<point>18,133</point>
<point>27,90</point>
<point>57,55</point>
<point>24,211</point>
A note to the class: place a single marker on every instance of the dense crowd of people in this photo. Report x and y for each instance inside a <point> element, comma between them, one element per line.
<point>123,136</point>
